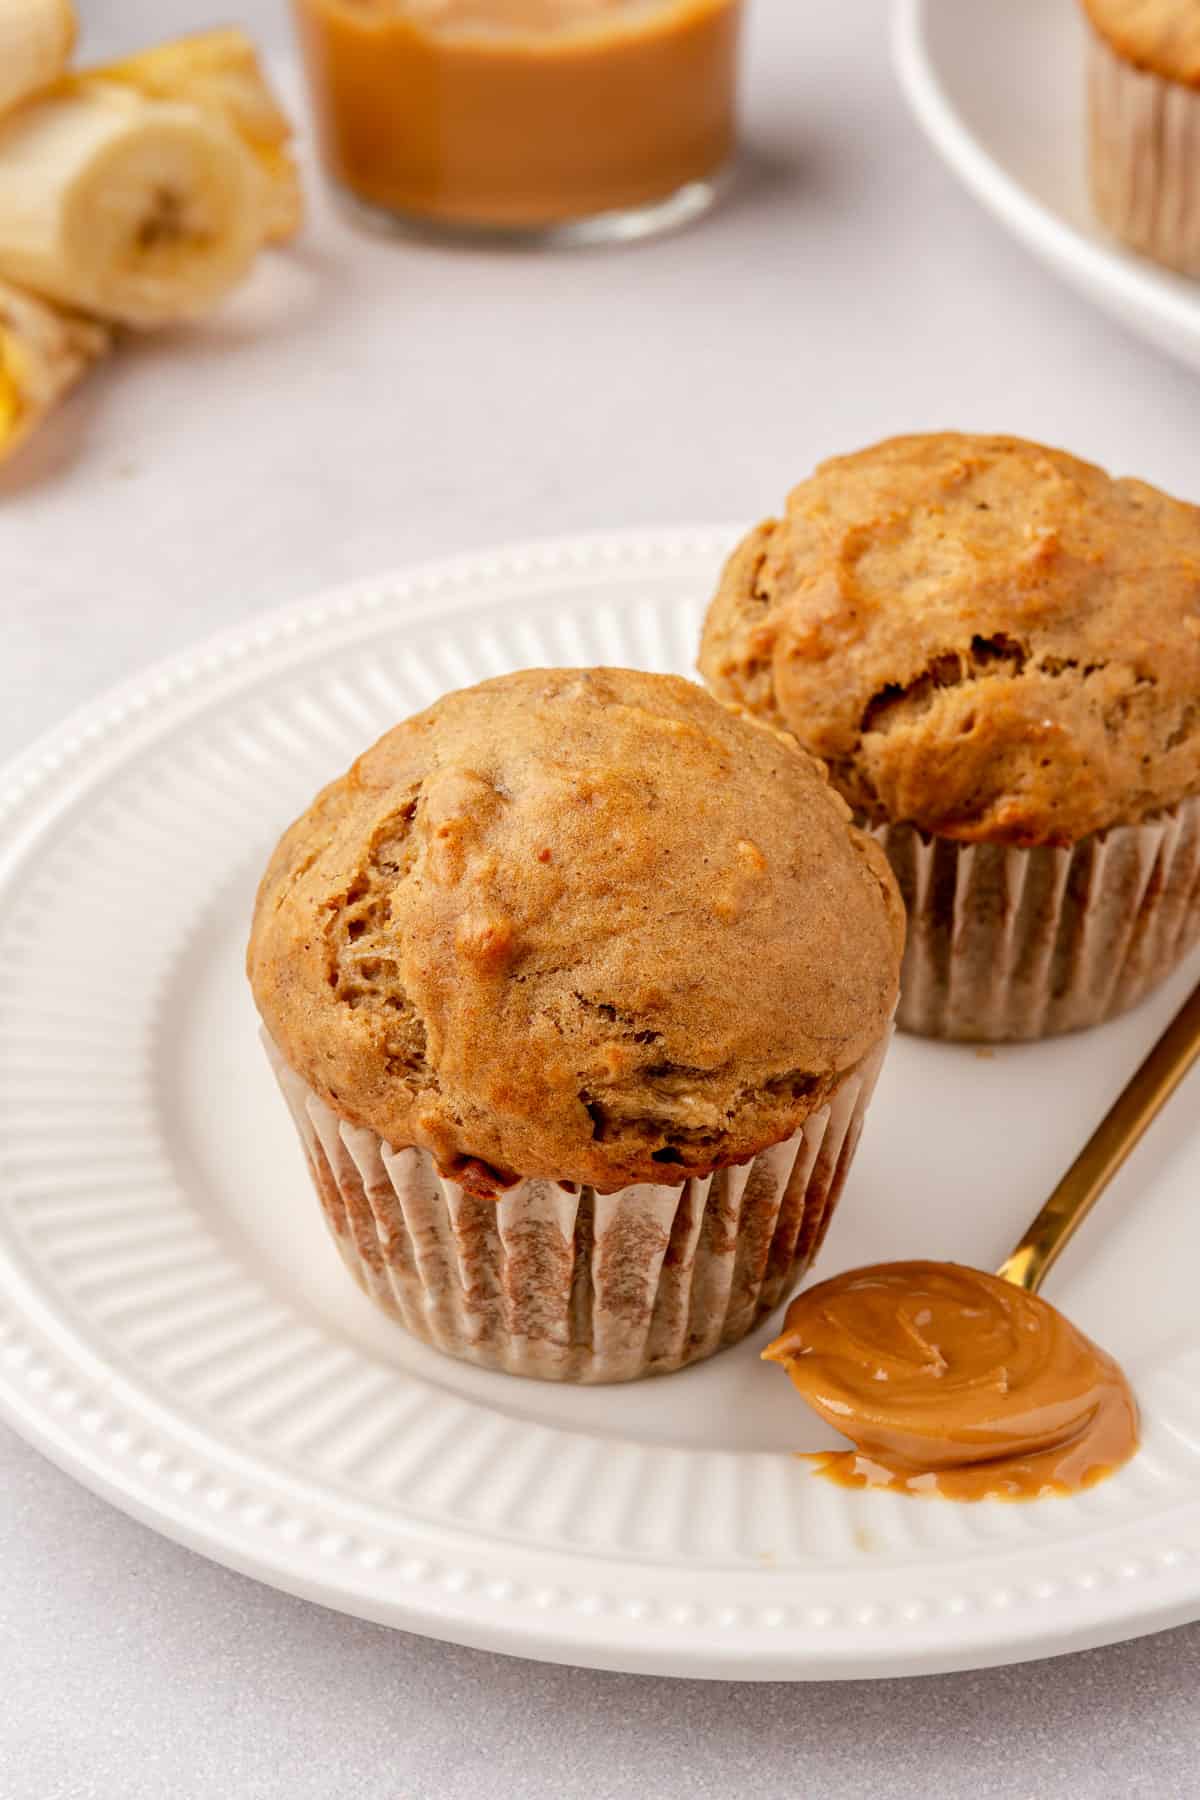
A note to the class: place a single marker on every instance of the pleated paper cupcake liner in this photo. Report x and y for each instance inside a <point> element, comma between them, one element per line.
<point>1018,944</point>
<point>1145,158</point>
<point>568,1284</point>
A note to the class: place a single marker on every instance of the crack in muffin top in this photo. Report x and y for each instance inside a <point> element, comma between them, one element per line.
<point>584,925</point>
<point>991,640</point>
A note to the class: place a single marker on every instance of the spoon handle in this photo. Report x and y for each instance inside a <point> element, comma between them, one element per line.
<point>1121,1128</point>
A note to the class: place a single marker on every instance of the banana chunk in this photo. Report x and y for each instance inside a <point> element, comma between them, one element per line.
<point>139,211</point>
<point>220,71</point>
<point>36,40</point>
<point>43,353</point>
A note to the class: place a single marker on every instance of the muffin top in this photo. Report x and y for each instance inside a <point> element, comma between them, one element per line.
<point>1160,36</point>
<point>992,640</point>
<point>587,925</point>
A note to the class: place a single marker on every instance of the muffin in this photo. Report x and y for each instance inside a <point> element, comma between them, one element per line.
<point>995,648</point>
<point>1144,125</point>
<point>577,985</point>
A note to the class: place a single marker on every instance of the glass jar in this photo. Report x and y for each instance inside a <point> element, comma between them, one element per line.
<point>583,119</point>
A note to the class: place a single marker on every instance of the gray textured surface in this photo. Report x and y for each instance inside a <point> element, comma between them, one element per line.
<point>133,1671</point>
<point>853,292</point>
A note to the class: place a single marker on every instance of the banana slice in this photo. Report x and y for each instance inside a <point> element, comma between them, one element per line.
<point>220,71</point>
<point>43,353</point>
<point>36,38</point>
<point>139,211</point>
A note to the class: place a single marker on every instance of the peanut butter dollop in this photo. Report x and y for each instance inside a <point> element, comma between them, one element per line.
<point>949,1381</point>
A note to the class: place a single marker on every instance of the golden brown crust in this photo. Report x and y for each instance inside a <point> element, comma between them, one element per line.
<point>984,637</point>
<point>1161,37</point>
<point>584,925</point>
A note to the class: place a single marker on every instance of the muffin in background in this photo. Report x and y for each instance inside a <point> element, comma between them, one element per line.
<point>1144,125</point>
<point>577,985</point>
<point>995,648</point>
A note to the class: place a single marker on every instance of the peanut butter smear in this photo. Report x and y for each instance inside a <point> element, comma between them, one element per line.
<point>949,1381</point>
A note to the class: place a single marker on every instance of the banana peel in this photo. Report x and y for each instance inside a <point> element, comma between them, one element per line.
<point>36,41</point>
<point>45,347</point>
<point>43,353</point>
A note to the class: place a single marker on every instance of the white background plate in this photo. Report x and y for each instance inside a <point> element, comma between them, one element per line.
<point>999,87</point>
<point>175,1329</point>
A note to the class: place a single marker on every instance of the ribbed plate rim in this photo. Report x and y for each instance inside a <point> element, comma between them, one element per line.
<point>430,1584</point>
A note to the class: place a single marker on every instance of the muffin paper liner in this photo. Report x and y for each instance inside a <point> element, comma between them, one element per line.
<point>1016,944</point>
<point>568,1284</point>
<point>1145,158</point>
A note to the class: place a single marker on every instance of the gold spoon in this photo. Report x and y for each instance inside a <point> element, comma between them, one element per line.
<point>1118,1133</point>
<point>954,1382</point>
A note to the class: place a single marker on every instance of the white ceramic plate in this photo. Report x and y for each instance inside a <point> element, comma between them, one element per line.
<point>176,1330</point>
<point>999,87</point>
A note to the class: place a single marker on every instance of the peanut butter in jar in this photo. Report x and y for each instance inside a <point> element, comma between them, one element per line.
<point>590,117</point>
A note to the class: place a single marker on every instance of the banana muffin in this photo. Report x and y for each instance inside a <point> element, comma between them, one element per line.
<point>1144,125</point>
<point>577,984</point>
<point>995,648</point>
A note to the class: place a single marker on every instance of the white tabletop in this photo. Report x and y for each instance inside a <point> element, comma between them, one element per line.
<point>362,405</point>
